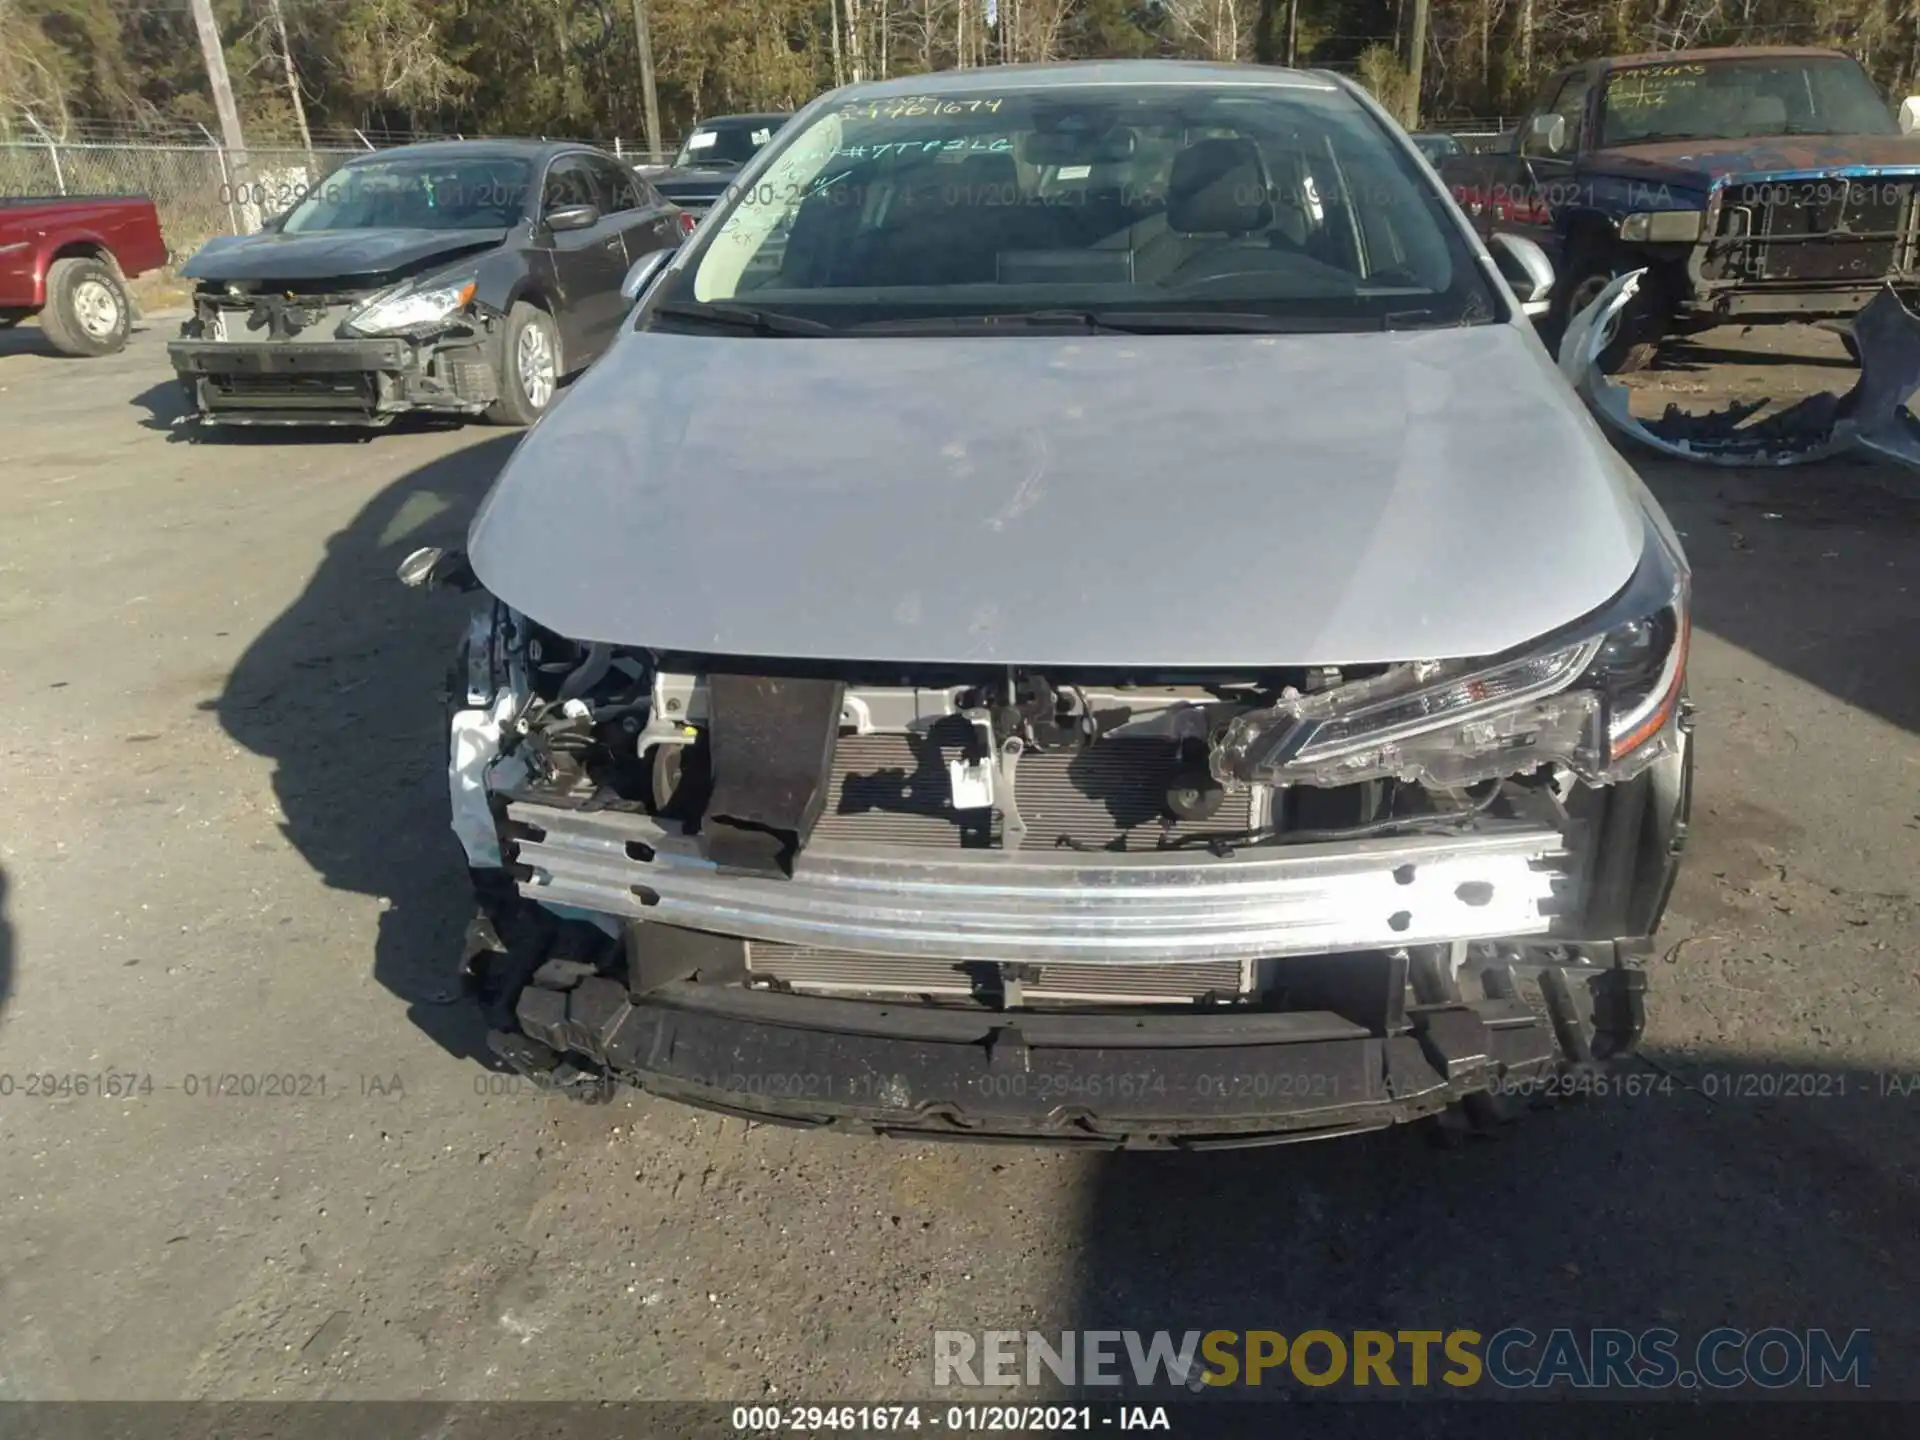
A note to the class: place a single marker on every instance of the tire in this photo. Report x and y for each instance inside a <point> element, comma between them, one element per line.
<point>88,311</point>
<point>11,318</point>
<point>1641,330</point>
<point>527,385</point>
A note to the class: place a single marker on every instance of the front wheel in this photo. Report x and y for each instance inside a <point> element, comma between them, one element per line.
<point>1637,338</point>
<point>529,373</point>
<point>88,312</point>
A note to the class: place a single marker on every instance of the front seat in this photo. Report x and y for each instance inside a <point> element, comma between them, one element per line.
<point>1765,115</point>
<point>952,235</point>
<point>1219,199</point>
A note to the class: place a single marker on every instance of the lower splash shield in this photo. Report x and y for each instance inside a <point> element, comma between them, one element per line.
<point>1872,416</point>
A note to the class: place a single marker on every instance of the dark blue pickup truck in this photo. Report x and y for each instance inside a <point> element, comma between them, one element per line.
<point>1755,185</point>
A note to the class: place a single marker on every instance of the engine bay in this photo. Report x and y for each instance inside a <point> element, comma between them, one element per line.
<point>759,761</point>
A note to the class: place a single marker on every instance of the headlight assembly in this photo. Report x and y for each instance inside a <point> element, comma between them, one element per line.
<point>409,308</point>
<point>1662,227</point>
<point>1598,697</point>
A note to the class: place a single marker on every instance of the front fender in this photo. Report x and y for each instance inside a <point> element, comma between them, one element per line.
<point>48,249</point>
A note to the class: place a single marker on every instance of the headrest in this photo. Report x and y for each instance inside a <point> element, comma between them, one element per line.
<point>991,168</point>
<point>1218,187</point>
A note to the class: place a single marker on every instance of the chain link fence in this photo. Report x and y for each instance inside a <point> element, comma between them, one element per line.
<point>200,191</point>
<point>196,191</point>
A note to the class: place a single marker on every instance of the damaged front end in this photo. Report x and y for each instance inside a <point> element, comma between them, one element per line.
<point>1079,907</point>
<point>323,353</point>
<point>1871,417</point>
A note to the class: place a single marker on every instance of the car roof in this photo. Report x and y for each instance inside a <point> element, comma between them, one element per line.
<point>756,119</point>
<point>481,149</point>
<point>1729,52</point>
<point>1088,72</point>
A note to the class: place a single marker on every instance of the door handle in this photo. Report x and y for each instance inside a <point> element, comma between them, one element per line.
<point>612,243</point>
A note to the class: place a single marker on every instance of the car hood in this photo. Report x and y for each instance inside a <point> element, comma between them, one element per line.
<point>702,179</point>
<point>333,254</point>
<point>1697,163</point>
<point>1167,501</point>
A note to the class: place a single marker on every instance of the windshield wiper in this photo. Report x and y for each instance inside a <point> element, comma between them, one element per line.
<point>1125,322</point>
<point>1665,137</point>
<point>739,317</point>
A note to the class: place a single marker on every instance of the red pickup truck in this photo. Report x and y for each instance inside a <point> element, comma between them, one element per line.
<point>67,258</point>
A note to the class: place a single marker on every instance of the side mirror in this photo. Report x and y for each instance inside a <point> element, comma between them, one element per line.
<point>640,274</point>
<point>573,217</point>
<point>431,567</point>
<point>1549,132</point>
<point>1910,115</point>
<point>1525,267</point>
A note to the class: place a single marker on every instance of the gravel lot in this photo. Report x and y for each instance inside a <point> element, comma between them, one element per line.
<point>224,854</point>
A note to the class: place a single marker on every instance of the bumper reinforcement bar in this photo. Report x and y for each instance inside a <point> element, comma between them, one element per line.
<point>1035,906</point>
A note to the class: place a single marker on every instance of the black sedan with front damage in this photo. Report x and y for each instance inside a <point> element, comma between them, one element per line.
<point>1024,636</point>
<point>462,278</point>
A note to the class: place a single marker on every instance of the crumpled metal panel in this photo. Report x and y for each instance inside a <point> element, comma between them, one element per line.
<point>1872,416</point>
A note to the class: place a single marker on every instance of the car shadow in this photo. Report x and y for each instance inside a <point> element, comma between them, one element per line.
<point>1686,357</point>
<point>27,338</point>
<point>165,404</point>
<point>1813,568</point>
<point>6,948</point>
<point>343,693</point>
<point>1690,1201</point>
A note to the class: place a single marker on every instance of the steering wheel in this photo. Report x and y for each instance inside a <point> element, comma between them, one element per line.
<point>1204,282</point>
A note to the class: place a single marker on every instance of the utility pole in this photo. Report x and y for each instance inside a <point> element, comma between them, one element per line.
<point>230,136</point>
<point>1416,54</point>
<point>293,86</point>
<point>647,91</point>
<point>1293,33</point>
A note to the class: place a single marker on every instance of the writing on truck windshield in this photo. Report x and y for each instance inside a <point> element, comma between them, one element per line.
<point>1276,200</point>
<point>1741,99</point>
<point>725,142</point>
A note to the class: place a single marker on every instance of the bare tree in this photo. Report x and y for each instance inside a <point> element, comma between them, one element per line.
<point>855,50</point>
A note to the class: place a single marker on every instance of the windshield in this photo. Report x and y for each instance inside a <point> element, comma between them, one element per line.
<point>415,193</point>
<point>1742,99</point>
<point>727,142</point>
<point>1278,202</point>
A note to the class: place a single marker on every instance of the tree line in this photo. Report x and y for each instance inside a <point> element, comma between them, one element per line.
<point>570,67</point>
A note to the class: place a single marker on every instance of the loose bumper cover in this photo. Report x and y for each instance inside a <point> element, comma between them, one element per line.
<point>1103,1081</point>
<point>333,382</point>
